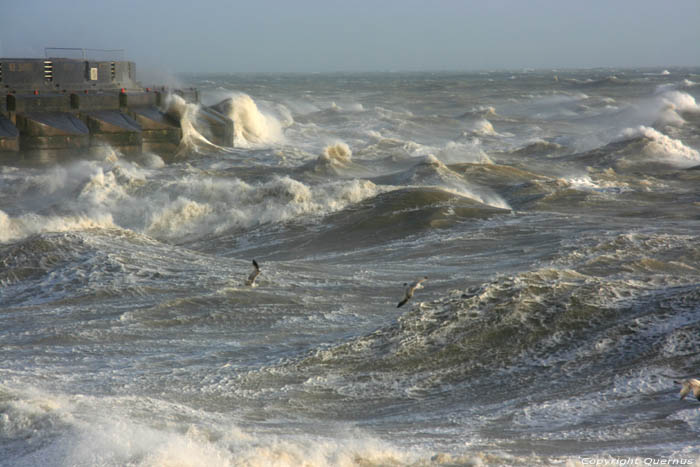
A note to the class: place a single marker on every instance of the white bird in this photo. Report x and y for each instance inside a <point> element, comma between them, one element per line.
<point>688,385</point>
<point>410,289</point>
<point>253,275</point>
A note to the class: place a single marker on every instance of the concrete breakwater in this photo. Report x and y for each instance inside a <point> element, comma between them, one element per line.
<point>59,108</point>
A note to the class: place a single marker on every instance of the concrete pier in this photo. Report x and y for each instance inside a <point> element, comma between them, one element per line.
<point>58,108</point>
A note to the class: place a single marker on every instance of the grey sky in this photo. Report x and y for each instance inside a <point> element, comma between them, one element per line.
<point>361,35</point>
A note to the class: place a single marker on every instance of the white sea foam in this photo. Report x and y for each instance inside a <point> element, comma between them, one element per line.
<point>334,158</point>
<point>484,128</point>
<point>91,194</point>
<point>208,205</point>
<point>114,431</point>
<point>672,104</point>
<point>460,152</point>
<point>664,148</point>
<point>77,196</point>
<point>192,138</point>
<point>586,183</point>
<point>431,171</point>
<point>338,152</point>
<point>16,228</point>
<point>253,127</point>
<point>152,161</point>
<point>350,106</point>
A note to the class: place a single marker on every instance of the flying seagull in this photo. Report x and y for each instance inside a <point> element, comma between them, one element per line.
<point>410,288</point>
<point>254,274</point>
<point>688,385</point>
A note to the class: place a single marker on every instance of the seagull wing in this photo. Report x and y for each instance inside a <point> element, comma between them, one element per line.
<point>253,275</point>
<point>410,289</point>
<point>685,389</point>
<point>696,388</point>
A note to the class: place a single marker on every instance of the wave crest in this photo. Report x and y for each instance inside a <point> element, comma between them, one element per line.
<point>252,127</point>
<point>663,148</point>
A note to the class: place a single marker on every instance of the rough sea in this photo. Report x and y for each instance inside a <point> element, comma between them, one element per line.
<point>555,213</point>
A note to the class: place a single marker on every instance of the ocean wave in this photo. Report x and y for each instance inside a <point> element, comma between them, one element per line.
<point>13,228</point>
<point>660,147</point>
<point>335,159</point>
<point>193,138</point>
<point>672,105</point>
<point>399,213</point>
<point>252,127</point>
<point>430,171</point>
<point>569,318</point>
<point>96,195</point>
<point>393,148</point>
<point>598,82</point>
<point>483,111</point>
<point>483,128</point>
<point>640,148</point>
<point>459,152</point>
<point>50,428</point>
<point>539,147</point>
<point>78,196</point>
<point>214,206</point>
<point>47,267</point>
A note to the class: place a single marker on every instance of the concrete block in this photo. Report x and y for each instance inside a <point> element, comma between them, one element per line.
<point>95,101</point>
<point>215,126</point>
<point>150,118</point>
<point>137,99</point>
<point>51,124</point>
<point>115,129</point>
<point>28,103</point>
<point>191,95</point>
<point>9,136</point>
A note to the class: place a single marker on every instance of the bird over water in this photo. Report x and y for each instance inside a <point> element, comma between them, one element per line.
<point>410,289</point>
<point>689,384</point>
<point>254,274</point>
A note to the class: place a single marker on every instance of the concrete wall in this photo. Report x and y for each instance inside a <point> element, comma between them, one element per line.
<point>53,109</point>
<point>50,127</point>
<point>59,74</point>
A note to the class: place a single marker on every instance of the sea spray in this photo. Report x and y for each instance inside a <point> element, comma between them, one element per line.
<point>663,148</point>
<point>213,206</point>
<point>192,141</point>
<point>543,334</point>
<point>337,152</point>
<point>252,127</point>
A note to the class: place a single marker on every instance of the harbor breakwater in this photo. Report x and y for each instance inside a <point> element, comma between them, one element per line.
<point>59,108</point>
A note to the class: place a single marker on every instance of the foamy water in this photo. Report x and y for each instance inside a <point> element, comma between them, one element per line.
<point>556,221</point>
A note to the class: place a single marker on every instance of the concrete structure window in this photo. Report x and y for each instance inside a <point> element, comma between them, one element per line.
<point>48,70</point>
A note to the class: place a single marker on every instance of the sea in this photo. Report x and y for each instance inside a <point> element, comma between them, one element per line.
<point>554,213</point>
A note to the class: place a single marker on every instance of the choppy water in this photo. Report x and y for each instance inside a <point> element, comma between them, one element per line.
<point>556,215</point>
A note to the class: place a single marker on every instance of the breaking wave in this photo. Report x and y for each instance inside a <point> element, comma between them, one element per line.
<point>90,195</point>
<point>252,127</point>
<point>673,104</point>
<point>214,206</point>
<point>83,430</point>
<point>193,139</point>
<point>335,159</point>
<point>430,171</point>
<point>338,152</point>
<point>660,147</point>
<point>572,317</point>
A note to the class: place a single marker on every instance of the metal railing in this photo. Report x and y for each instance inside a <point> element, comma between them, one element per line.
<point>84,52</point>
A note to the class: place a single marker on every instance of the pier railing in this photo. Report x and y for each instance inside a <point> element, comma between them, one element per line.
<point>114,54</point>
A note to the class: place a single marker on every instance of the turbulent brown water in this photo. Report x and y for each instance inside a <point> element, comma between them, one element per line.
<point>556,215</point>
